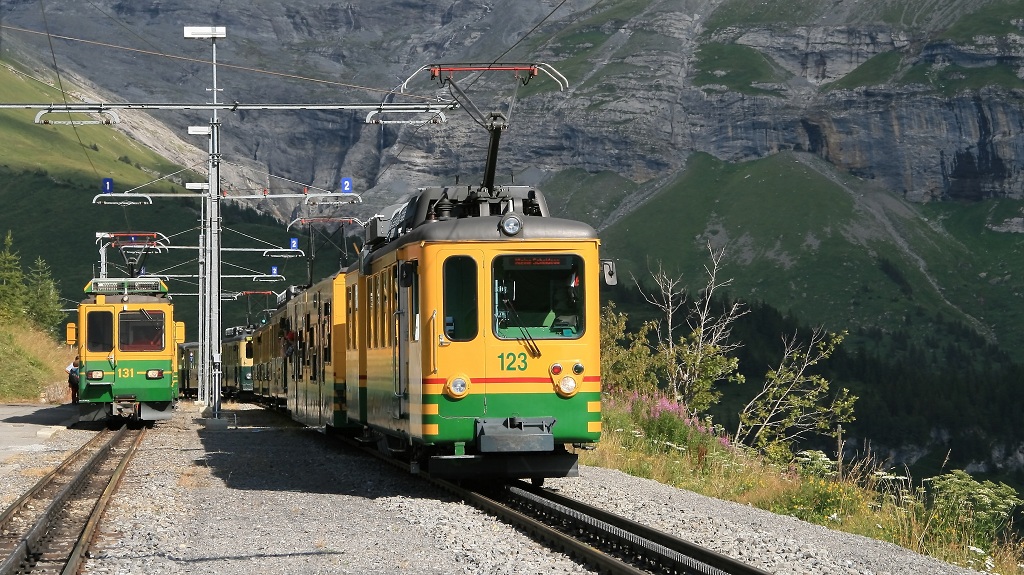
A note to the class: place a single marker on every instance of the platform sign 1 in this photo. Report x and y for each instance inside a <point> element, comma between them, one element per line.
<point>293,243</point>
<point>346,185</point>
<point>108,185</point>
<point>273,270</point>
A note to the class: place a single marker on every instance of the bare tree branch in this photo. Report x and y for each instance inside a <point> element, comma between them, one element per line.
<point>693,363</point>
<point>794,402</point>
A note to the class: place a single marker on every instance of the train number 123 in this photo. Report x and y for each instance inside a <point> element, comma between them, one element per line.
<point>512,361</point>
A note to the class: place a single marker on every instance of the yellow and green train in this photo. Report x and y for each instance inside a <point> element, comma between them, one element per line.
<point>127,341</point>
<point>466,338</point>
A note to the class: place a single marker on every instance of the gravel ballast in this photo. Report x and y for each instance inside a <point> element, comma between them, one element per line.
<point>269,497</point>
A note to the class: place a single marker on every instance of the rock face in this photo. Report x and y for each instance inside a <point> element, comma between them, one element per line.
<point>633,106</point>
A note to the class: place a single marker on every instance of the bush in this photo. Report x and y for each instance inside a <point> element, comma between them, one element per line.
<point>980,510</point>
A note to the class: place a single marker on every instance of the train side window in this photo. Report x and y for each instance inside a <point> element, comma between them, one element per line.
<point>99,331</point>
<point>460,299</point>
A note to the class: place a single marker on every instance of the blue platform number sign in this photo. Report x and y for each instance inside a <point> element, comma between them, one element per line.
<point>273,270</point>
<point>108,185</point>
<point>346,185</point>
<point>293,243</point>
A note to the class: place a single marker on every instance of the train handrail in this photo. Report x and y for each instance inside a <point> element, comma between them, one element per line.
<point>396,343</point>
<point>433,348</point>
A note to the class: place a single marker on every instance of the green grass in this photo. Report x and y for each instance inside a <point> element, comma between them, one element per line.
<point>760,13</point>
<point>953,79</point>
<point>31,363</point>
<point>576,45</point>
<point>645,438</point>
<point>84,151</point>
<point>983,277</point>
<point>879,69</point>
<point>995,19</point>
<point>587,197</point>
<point>796,240</point>
<point>735,66</point>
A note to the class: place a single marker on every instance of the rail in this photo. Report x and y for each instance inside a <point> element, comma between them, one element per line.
<point>56,539</point>
<point>610,543</point>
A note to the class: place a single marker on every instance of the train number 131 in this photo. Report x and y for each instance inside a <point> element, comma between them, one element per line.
<point>125,372</point>
<point>511,361</point>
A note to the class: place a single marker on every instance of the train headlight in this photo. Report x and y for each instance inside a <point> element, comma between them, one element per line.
<point>511,224</point>
<point>154,374</point>
<point>94,374</point>
<point>248,376</point>
<point>457,387</point>
<point>566,386</point>
<point>577,368</point>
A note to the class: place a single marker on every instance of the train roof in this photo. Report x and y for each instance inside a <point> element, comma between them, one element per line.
<point>465,213</point>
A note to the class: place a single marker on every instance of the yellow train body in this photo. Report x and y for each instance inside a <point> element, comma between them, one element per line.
<point>471,350</point>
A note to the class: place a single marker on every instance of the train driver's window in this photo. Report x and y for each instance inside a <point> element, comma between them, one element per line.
<point>460,300</point>
<point>539,295</point>
<point>99,331</point>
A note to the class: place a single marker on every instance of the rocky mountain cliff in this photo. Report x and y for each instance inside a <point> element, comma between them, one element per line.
<point>923,97</point>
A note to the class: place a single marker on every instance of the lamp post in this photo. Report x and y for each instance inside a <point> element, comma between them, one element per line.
<point>210,322</point>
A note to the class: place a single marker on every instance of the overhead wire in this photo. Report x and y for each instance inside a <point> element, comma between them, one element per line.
<point>502,55</point>
<point>60,86</point>
<point>499,57</point>
<point>219,64</point>
<point>157,52</point>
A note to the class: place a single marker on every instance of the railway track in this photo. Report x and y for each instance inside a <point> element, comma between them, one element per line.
<point>49,528</point>
<point>610,543</point>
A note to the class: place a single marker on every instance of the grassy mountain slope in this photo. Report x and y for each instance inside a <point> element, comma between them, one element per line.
<point>50,179</point>
<point>830,249</point>
<point>90,149</point>
<point>912,15</point>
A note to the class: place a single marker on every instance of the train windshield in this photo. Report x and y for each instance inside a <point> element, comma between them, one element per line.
<point>141,330</point>
<point>539,295</point>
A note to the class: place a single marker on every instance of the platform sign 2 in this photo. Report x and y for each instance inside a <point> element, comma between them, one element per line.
<point>346,185</point>
<point>107,186</point>
<point>293,243</point>
<point>273,270</point>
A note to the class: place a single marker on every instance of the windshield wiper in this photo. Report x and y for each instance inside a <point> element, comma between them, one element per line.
<point>531,345</point>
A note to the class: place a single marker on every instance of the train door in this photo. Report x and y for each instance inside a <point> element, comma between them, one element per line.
<point>326,370</point>
<point>311,374</point>
<point>406,278</point>
<point>97,357</point>
<point>458,327</point>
